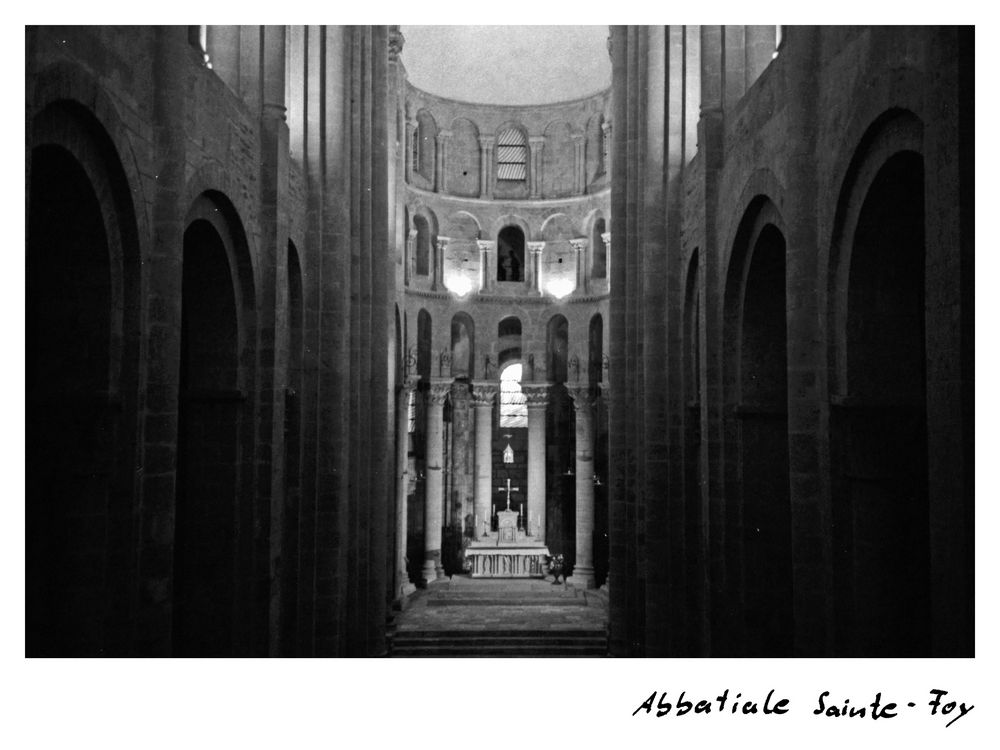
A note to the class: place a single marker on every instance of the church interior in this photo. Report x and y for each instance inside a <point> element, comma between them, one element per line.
<point>328,328</point>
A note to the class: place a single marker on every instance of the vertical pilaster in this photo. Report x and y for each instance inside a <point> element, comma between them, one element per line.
<point>274,346</point>
<point>437,282</point>
<point>152,635</point>
<point>537,395</point>
<point>411,256</point>
<point>441,162</point>
<point>580,252</point>
<point>411,133</point>
<point>536,144</point>
<point>724,633</point>
<point>534,271</point>
<point>579,164</point>
<point>583,569</point>
<point>618,491</point>
<point>606,239</point>
<point>434,502</point>
<point>486,166</point>
<point>483,395</point>
<point>485,264</point>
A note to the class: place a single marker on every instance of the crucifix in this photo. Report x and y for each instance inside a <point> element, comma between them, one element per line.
<point>509,490</point>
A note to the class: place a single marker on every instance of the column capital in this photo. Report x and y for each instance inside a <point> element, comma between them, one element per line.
<point>443,135</point>
<point>582,395</point>
<point>606,238</point>
<point>412,234</point>
<point>396,42</point>
<point>606,126</point>
<point>442,242</point>
<point>536,394</point>
<point>486,141</point>
<point>439,390</point>
<point>579,244</point>
<point>536,247</point>
<point>484,392</point>
<point>577,137</point>
<point>536,141</point>
<point>486,245</point>
<point>409,384</point>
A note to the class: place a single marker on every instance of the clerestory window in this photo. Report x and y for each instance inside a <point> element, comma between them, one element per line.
<point>512,156</point>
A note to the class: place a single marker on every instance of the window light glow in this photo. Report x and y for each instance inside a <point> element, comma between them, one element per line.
<point>458,284</point>
<point>559,288</point>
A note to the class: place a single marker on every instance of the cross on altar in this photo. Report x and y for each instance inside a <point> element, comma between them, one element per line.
<point>509,490</point>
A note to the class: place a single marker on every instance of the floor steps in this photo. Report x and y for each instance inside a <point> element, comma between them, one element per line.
<point>467,617</point>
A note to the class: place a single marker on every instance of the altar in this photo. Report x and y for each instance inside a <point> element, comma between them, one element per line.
<point>508,552</point>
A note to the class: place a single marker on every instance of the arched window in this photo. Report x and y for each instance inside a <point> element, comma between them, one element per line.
<point>513,404</point>
<point>425,137</point>
<point>510,254</point>
<point>423,248</point>
<point>599,253</point>
<point>512,156</point>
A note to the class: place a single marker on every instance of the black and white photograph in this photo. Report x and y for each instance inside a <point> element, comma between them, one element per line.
<point>507,356</point>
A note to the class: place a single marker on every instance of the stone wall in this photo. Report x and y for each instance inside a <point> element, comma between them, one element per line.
<point>788,151</point>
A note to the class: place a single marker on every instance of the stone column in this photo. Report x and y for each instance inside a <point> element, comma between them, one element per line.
<point>484,264</point>
<point>483,394</point>
<point>411,133</point>
<point>403,585</point>
<point>535,265</point>
<point>583,571</point>
<point>411,255</point>
<point>606,239</point>
<point>606,146</point>
<point>604,389</point>
<point>579,164</point>
<point>536,143</point>
<point>434,485</point>
<point>438,280</point>
<point>486,143</point>
<point>537,395</point>
<point>582,278</point>
<point>441,161</point>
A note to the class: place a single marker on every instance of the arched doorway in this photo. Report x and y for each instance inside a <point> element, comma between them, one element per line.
<point>69,423</point>
<point>209,564</point>
<point>759,519</point>
<point>81,371</point>
<point>510,254</point>
<point>879,425</point>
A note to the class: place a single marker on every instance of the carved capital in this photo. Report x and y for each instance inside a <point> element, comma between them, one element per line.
<point>443,135</point>
<point>606,126</point>
<point>606,238</point>
<point>536,247</point>
<point>577,138</point>
<point>486,142</point>
<point>485,245</point>
<point>442,243</point>
<point>579,244</point>
<point>444,369</point>
<point>396,42</point>
<point>536,394</point>
<point>409,384</point>
<point>438,392</point>
<point>582,395</point>
<point>536,141</point>
<point>484,393</point>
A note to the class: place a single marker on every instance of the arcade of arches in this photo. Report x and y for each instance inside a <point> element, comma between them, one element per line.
<point>299,333</point>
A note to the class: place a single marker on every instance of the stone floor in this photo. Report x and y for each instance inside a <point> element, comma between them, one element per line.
<point>502,617</point>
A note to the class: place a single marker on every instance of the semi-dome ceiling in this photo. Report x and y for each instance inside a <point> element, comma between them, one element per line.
<point>508,64</point>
